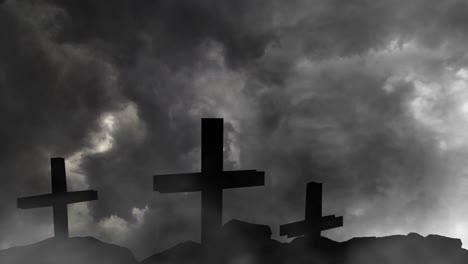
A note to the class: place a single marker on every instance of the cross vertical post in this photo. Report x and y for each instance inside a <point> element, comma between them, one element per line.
<point>211,167</point>
<point>313,212</point>
<point>59,186</point>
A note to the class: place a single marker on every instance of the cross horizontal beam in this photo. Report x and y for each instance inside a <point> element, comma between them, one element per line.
<point>56,199</point>
<point>300,228</point>
<point>243,178</point>
<point>183,182</point>
<point>332,223</point>
<point>192,182</point>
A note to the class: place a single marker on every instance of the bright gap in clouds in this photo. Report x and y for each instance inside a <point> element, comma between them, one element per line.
<point>101,141</point>
<point>126,119</point>
<point>104,141</point>
<point>440,105</point>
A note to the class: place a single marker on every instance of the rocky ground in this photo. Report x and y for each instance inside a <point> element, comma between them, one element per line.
<point>245,243</point>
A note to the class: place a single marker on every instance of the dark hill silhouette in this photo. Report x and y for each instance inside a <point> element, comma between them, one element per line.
<point>185,252</point>
<point>76,250</point>
<point>412,248</point>
<point>241,242</point>
<point>236,242</point>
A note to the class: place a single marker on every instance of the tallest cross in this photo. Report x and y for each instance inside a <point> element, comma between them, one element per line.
<point>211,180</point>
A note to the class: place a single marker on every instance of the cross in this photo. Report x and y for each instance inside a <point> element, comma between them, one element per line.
<point>314,223</point>
<point>211,180</point>
<point>58,199</point>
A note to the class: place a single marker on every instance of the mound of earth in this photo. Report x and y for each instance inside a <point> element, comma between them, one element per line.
<point>76,250</point>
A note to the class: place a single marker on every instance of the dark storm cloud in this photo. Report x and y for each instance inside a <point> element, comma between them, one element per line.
<point>64,66</point>
<point>301,85</point>
<point>51,97</point>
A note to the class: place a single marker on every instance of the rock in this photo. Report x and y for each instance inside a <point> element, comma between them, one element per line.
<point>237,242</point>
<point>403,249</point>
<point>246,230</point>
<point>186,252</point>
<point>242,242</point>
<point>76,250</point>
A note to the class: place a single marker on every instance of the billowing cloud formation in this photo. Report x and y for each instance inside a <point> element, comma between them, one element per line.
<point>369,97</point>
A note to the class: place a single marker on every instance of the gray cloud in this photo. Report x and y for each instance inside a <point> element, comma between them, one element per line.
<point>360,95</point>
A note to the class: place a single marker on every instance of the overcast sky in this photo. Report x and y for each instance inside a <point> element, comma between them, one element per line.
<point>368,97</point>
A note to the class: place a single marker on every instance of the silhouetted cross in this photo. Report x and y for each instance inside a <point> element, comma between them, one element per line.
<point>314,223</point>
<point>211,180</point>
<point>58,199</point>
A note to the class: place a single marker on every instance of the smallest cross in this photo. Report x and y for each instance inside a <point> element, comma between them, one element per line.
<point>314,222</point>
<point>58,199</point>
